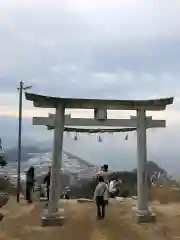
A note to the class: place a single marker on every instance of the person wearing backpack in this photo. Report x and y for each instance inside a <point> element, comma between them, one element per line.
<point>47,181</point>
<point>101,197</point>
<point>30,181</point>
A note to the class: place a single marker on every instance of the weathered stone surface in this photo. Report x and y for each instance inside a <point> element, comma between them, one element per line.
<point>49,219</point>
<point>144,218</point>
<point>52,221</point>
<point>150,218</point>
<point>120,199</point>
<point>84,200</point>
<point>134,197</point>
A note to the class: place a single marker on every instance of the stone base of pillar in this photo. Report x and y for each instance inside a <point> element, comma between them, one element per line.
<point>144,216</point>
<point>52,221</point>
<point>43,199</point>
<point>147,218</point>
<point>48,219</point>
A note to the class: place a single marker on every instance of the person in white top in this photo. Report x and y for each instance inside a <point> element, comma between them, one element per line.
<point>101,197</point>
<point>105,173</point>
<point>114,187</point>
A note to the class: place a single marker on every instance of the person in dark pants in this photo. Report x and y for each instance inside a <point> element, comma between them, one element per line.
<point>101,197</point>
<point>47,181</point>
<point>30,180</point>
<point>67,194</point>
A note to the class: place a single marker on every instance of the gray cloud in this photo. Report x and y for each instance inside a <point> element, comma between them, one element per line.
<point>109,49</point>
<point>142,38</point>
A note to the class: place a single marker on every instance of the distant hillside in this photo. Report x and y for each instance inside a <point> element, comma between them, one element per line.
<point>41,158</point>
<point>79,165</point>
<point>153,167</point>
<point>26,150</point>
<point>70,155</point>
<point>77,173</point>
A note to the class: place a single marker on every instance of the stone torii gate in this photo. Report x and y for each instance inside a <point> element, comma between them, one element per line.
<point>100,107</point>
<point>91,122</point>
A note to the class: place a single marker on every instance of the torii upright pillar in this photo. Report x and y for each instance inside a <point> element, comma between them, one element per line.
<point>53,215</point>
<point>143,213</point>
<point>57,160</point>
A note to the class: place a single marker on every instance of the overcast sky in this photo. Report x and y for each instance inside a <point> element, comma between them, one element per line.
<point>98,48</point>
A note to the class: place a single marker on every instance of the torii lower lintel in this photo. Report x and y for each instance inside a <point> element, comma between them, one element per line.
<point>131,122</point>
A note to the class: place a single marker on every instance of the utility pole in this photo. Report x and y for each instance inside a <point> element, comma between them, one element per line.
<point>20,89</point>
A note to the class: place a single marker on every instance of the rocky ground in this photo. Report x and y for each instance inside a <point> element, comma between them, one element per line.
<point>22,222</point>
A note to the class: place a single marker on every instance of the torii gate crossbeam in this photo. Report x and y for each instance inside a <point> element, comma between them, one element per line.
<point>131,122</point>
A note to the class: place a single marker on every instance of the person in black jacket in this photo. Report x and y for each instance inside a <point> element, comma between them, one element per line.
<point>47,181</point>
<point>30,180</point>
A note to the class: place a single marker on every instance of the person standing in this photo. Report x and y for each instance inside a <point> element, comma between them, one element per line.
<point>114,187</point>
<point>101,197</point>
<point>112,190</point>
<point>47,181</point>
<point>67,194</point>
<point>105,173</point>
<point>30,180</point>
